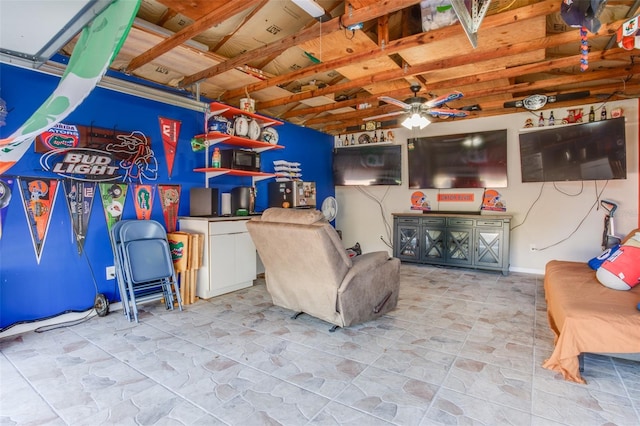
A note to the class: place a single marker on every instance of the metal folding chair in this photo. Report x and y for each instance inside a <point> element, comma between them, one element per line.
<point>144,267</point>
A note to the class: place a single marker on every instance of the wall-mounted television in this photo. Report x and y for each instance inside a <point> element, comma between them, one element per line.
<point>588,151</point>
<point>465,160</point>
<point>367,165</point>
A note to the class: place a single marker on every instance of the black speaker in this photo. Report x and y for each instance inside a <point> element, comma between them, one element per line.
<point>203,202</point>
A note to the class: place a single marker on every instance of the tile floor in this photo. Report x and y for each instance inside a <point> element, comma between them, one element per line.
<point>462,348</point>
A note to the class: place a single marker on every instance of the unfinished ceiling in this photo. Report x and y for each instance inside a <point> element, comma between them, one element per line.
<point>327,77</point>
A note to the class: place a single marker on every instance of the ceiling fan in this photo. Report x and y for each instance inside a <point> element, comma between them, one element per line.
<point>535,102</point>
<point>417,107</point>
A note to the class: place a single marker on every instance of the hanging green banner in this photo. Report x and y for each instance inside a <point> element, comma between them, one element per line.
<point>97,46</point>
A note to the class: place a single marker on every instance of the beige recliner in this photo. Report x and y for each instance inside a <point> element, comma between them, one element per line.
<point>308,270</point>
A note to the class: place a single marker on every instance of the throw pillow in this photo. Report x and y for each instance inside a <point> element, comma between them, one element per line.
<point>597,261</point>
<point>621,271</point>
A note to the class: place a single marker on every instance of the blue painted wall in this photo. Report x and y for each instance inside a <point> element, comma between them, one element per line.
<point>65,281</point>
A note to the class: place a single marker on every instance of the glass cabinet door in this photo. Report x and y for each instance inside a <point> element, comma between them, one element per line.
<point>458,246</point>
<point>433,245</point>
<point>407,242</point>
<point>488,247</point>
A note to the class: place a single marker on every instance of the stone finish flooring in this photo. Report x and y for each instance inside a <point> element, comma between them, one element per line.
<point>462,348</point>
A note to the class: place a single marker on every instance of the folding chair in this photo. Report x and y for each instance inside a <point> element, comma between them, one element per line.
<point>144,267</point>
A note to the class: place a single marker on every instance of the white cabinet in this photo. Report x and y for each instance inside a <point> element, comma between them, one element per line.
<point>229,258</point>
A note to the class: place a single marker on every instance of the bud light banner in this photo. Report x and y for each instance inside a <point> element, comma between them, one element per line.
<point>95,154</point>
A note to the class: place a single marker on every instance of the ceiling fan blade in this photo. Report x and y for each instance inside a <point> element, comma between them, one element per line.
<point>394,101</point>
<point>447,112</point>
<point>441,100</point>
<point>389,114</point>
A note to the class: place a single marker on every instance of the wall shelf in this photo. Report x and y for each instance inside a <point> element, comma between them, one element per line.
<point>211,172</point>
<point>213,138</point>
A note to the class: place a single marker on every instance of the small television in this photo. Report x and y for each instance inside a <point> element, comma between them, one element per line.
<point>587,151</point>
<point>367,165</point>
<point>465,160</point>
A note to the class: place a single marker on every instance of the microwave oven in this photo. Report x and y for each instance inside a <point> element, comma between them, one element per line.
<point>240,159</point>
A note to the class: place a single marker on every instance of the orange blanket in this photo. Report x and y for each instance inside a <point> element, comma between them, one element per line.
<point>587,316</point>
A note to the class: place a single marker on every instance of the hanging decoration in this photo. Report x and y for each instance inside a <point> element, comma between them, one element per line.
<point>79,196</point>
<point>6,187</point>
<point>170,130</point>
<point>143,201</point>
<point>38,198</point>
<point>96,48</point>
<point>170,201</point>
<point>584,50</point>
<point>113,197</point>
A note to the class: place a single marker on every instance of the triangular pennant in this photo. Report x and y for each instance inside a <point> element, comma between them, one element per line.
<point>113,197</point>
<point>170,201</point>
<point>143,201</point>
<point>38,198</point>
<point>6,186</point>
<point>170,130</point>
<point>79,196</point>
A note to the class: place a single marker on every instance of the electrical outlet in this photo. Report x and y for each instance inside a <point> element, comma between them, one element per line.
<point>532,247</point>
<point>111,272</point>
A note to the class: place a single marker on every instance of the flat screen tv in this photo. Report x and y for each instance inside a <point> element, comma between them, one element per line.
<point>367,165</point>
<point>588,151</point>
<point>465,160</point>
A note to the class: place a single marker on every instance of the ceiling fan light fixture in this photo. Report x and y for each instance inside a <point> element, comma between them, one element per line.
<point>416,120</point>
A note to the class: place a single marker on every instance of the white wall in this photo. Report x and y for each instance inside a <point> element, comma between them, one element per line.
<point>551,220</point>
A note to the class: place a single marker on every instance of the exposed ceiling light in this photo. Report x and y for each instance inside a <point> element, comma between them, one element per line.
<point>313,9</point>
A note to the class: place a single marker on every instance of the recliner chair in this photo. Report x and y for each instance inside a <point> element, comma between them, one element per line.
<point>308,270</point>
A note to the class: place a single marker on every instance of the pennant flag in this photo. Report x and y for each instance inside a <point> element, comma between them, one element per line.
<point>79,196</point>
<point>170,200</point>
<point>6,186</point>
<point>96,48</point>
<point>143,201</point>
<point>170,130</point>
<point>113,196</point>
<point>38,199</point>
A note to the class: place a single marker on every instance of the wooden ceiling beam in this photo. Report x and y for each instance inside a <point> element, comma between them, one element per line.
<point>478,55</point>
<point>527,12</point>
<point>225,11</point>
<point>335,24</point>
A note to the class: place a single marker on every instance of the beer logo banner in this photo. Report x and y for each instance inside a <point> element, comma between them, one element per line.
<point>143,201</point>
<point>113,197</point>
<point>170,200</point>
<point>79,196</point>
<point>38,197</point>
<point>6,186</point>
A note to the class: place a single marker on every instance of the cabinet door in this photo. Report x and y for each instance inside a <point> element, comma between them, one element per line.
<point>222,261</point>
<point>459,246</point>
<point>488,243</point>
<point>433,243</point>
<point>245,267</point>
<point>406,245</point>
